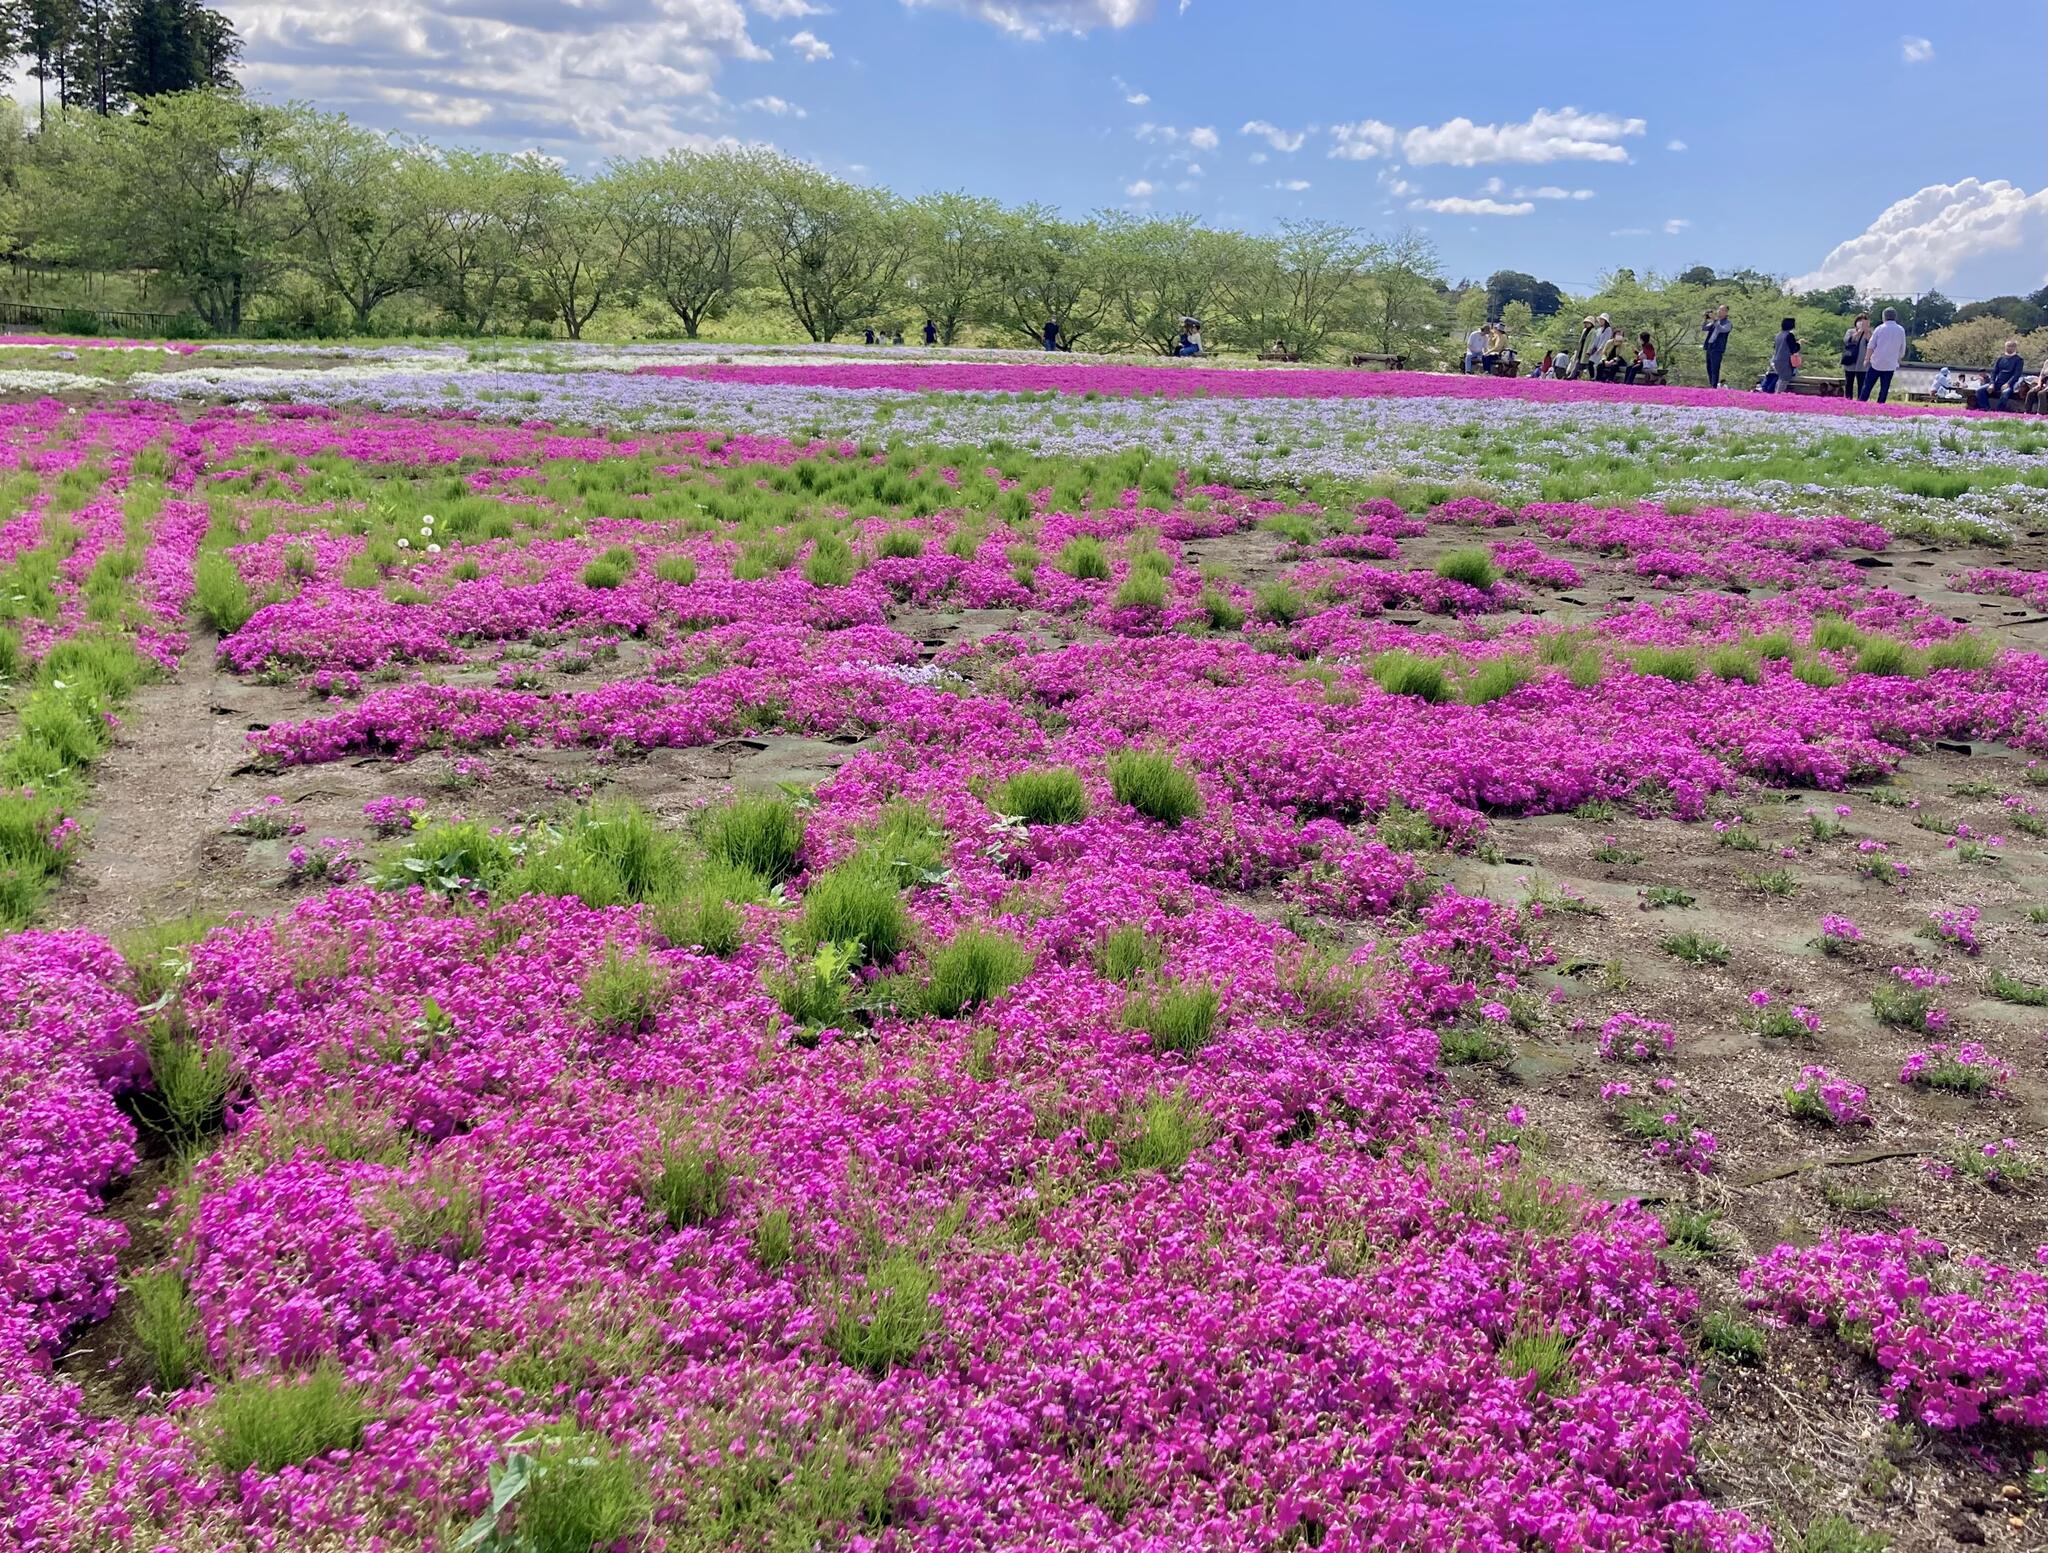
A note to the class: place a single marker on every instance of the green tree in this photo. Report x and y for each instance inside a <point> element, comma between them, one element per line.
<point>837,251</point>
<point>575,239</point>
<point>1505,286</point>
<point>1049,270</point>
<point>474,216</point>
<point>952,258</point>
<point>1298,286</point>
<point>687,215</point>
<point>365,229</point>
<point>1156,273</point>
<point>1405,307</point>
<point>44,30</point>
<point>170,46</point>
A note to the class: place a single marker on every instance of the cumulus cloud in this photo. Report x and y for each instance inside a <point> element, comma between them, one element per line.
<point>1292,185</point>
<point>1400,186</point>
<point>1279,139</point>
<point>1131,94</point>
<point>1674,145</point>
<point>1141,189</point>
<point>1550,191</point>
<point>1458,205</point>
<point>1035,20</point>
<point>1986,228</point>
<point>628,77</point>
<point>780,107</point>
<point>1915,51</point>
<point>1201,137</point>
<point>1362,141</point>
<point>789,10</point>
<point>1675,225</point>
<point>1566,135</point>
<point>810,46</point>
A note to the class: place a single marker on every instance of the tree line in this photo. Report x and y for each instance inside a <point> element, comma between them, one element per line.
<point>282,220</point>
<point>105,56</point>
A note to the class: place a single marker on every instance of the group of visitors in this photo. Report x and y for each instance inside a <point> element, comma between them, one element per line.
<point>873,336</point>
<point>1870,356</point>
<point>1604,353</point>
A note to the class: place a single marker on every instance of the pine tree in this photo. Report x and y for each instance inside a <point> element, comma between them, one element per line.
<point>174,46</point>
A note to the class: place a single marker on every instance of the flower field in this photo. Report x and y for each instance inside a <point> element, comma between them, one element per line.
<point>609,953</point>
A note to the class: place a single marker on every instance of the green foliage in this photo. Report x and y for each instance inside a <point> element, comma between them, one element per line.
<point>1140,590</point>
<point>273,1424</point>
<point>1734,661</point>
<point>881,1317</point>
<point>774,1239</point>
<point>1961,651</point>
<point>970,968</point>
<point>907,843</point>
<point>1543,1358</point>
<point>2008,988</point>
<point>833,1490</point>
<point>1177,1018</point>
<point>165,1326</point>
<point>1497,677</point>
<point>1738,1341</point>
<point>703,915</point>
<point>611,853</point>
<point>603,574</point>
<point>830,564</point>
<point>190,1080</point>
<point>1469,1046</point>
<point>1279,602</point>
<point>159,956</point>
<point>581,1494</point>
<point>900,544</point>
<point>813,992</point>
<point>857,904</point>
<point>1901,1007</point>
<point>1151,782</point>
<point>1889,659</point>
<point>688,1183</point>
<point>1126,951</point>
<point>451,857</point>
<point>1403,673</point>
<point>763,835</point>
<point>1084,559</point>
<point>1166,1130</point>
<point>1832,1534</point>
<point>1472,566</point>
<point>1695,949</point>
<point>1680,665</point>
<point>623,994</point>
<point>1053,796</point>
<point>678,569</point>
<point>1659,896</point>
<point>1219,611</point>
<point>1831,633</point>
<point>220,599</point>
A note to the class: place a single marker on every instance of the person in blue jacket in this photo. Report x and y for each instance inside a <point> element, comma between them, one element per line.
<point>2005,377</point>
<point>1714,331</point>
<point>1052,334</point>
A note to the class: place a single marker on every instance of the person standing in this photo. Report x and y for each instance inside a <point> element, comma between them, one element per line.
<point>870,336</point>
<point>1052,334</point>
<point>1714,332</point>
<point>1855,354</point>
<point>1887,350</point>
<point>1784,359</point>
<point>1579,353</point>
<point>931,333</point>
<point>1596,348</point>
<point>1475,347</point>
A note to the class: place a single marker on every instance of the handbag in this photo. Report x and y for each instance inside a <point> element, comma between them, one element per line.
<point>1796,362</point>
<point>1852,351</point>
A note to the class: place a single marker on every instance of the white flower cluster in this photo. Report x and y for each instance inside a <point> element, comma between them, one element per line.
<point>426,536</point>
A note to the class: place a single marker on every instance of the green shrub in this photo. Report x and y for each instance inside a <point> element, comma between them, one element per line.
<point>1816,672</point>
<point>705,915</point>
<point>611,853</point>
<point>1152,783</point>
<point>970,968</point>
<point>902,544</point>
<point>2008,988</point>
<point>1695,949</point>
<point>678,569</point>
<point>1403,673</point>
<point>1219,611</point>
<point>1084,559</point>
<point>830,563</point>
<point>1734,662</point>
<point>1497,677</point>
<point>1831,633</point>
<point>1775,647</point>
<point>159,955</point>
<point>1962,651</point>
<point>1472,566</point>
<point>687,1184</point>
<point>451,857</point>
<point>165,1325</point>
<point>190,1080</point>
<point>1545,1357</point>
<point>1178,1019</point>
<point>1279,603</point>
<point>907,843</point>
<point>270,1425</point>
<point>1734,1339</point>
<point>584,1494</point>
<point>1053,796</point>
<point>1886,658</point>
<point>1127,950</point>
<point>603,574</point>
<point>1140,590</point>
<point>813,991</point>
<point>1680,665</point>
<point>882,1319</point>
<point>220,599</point>
<point>623,994</point>
<point>859,904</point>
<point>760,834</point>
<point>1169,1128</point>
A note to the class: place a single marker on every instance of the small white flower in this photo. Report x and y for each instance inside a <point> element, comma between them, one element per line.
<point>433,549</point>
<point>426,520</point>
<point>404,544</point>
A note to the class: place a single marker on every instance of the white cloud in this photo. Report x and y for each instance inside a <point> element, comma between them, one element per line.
<point>1566,135</point>
<point>1400,186</point>
<point>812,47</point>
<point>780,107</point>
<point>1033,20</point>
<point>1258,159</point>
<point>1674,145</point>
<point>1279,139</point>
<point>1129,93</point>
<point>789,10</point>
<point>1550,191</point>
<point>1977,228</point>
<point>1458,205</point>
<point>1362,141</point>
<point>1194,169</point>
<point>1203,138</point>
<point>628,77</point>
<point>1138,99</point>
<point>1141,189</point>
<point>1675,225</point>
<point>1492,186</point>
<point>1292,185</point>
<point>1915,51</point>
<point>1630,231</point>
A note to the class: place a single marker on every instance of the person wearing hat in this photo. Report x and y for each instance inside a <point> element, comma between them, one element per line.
<point>1714,332</point>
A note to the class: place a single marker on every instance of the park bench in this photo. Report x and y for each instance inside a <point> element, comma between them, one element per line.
<point>1816,387</point>
<point>1277,355</point>
<point>1381,362</point>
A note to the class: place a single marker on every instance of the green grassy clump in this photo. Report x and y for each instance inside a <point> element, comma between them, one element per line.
<point>1961,651</point>
<point>970,968</point>
<point>220,599</point>
<point>1140,590</point>
<point>1279,603</point>
<point>1084,560</point>
<point>1166,1131</point>
<point>830,563</point>
<point>704,915</point>
<point>1403,673</point>
<point>1738,1341</point>
<point>1126,951</point>
<point>273,1424</point>
<point>1176,1018</point>
<point>583,1493</point>
<point>2008,988</point>
<point>687,1183</point>
<point>678,569</point>
<point>611,853</point>
<point>1695,949</point>
<point>856,904</point>
<point>449,856</point>
<point>1680,665</point>
<point>1052,796</point>
<point>1543,1358</point>
<point>1495,678</point>
<point>762,835</point>
<point>603,574</point>
<point>1472,566</point>
<point>1151,782</point>
<point>624,993</point>
<point>164,1325</point>
<point>190,1080</point>
<point>159,955</point>
<point>1832,1534</point>
<point>1219,611</point>
<point>882,1317</point>
<point>1886,658</point>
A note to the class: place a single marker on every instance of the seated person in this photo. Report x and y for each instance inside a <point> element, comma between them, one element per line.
<point>1609,367</point>
<point>1547,367</point>
<point>2005,377</point>
<point>1645,364</point>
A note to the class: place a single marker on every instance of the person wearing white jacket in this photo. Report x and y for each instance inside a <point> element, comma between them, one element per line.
<point>1887,350</point>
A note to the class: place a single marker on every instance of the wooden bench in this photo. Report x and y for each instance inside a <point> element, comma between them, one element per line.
<point>1279,355</point>
<point>1383,363</point>
<point>1831,387</point>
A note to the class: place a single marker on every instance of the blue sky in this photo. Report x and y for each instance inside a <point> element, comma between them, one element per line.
<point>1869,142</point>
